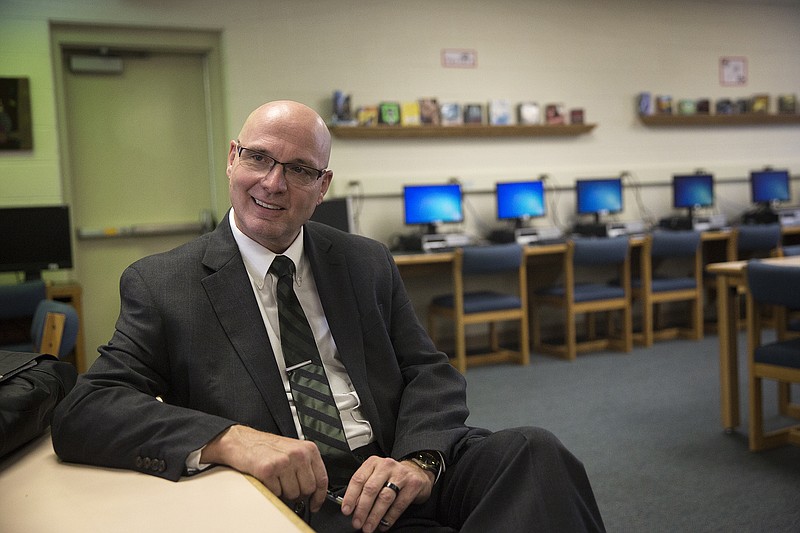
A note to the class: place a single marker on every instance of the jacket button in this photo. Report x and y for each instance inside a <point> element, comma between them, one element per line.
<point>162,465</point>
<point>139,461</point>
<point>147,462</point>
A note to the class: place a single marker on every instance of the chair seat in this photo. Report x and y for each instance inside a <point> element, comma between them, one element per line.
<point>587,292</point>
<point>667,284</point>
<point>784,353</point>
<point>480,301</point>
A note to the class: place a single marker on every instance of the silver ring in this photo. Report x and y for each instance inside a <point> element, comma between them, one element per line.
<point>390,485</point>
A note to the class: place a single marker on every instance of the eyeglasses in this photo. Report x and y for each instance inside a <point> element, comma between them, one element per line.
<point>262,163</point>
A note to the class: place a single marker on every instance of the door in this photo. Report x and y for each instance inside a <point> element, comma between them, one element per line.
<point>138,154</point>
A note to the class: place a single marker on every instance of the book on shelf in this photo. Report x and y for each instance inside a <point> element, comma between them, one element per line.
<point>342,113</point>
<point>742,106</point>
<point>473,113</point>
<point>787,104</point>
<point>367,115</point>
<point>429,111</point>
<point>409,114</point>
<point>664,104</point>
<point>576,115</point>
<point>450,113</point>
<point>703,106</point>
<point>554,114</point>
<point>760,104</point>
<point>724,106</point>
<point>389,113</point>
<point>687,106</point>
<point>500,112</point>
<point>529,113</point>
<point>644,103</point>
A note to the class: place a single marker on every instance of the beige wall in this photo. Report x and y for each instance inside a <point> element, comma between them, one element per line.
<point>595,55</point>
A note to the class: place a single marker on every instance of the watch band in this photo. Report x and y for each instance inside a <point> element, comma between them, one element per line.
<point>430,461</point>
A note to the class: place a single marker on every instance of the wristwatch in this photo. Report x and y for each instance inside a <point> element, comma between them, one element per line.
<point>430,461</point>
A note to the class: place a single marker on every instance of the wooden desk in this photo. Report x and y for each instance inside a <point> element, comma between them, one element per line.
<point>40,494</point>
<point>71,293</point>
<point>730,280</point>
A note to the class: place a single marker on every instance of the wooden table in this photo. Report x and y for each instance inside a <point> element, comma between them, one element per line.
<point>731,279</point>
<point>40,494</point>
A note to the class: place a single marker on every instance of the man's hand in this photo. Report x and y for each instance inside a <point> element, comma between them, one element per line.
<point>292,469</point>
<point>370,500</point>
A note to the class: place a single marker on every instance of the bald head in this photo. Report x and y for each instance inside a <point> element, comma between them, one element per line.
<point>295,123</point>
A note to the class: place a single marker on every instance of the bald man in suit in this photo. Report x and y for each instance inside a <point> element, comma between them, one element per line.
<point>194,374</point>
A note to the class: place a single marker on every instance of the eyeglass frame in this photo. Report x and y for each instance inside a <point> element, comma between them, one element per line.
<point>319,172</point>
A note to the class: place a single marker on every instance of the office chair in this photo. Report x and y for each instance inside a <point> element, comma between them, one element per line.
<point>54,329</point>
<point>576,297</point>
<point>665,251</point>
<point>465,307</point>
<point>778,360</point>
<point>750,241</point>
<point>18,303</point>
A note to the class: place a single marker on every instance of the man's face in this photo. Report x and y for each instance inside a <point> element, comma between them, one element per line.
<point>269,205</point>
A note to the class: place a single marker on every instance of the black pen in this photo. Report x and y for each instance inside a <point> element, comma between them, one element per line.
<point>338,501</point>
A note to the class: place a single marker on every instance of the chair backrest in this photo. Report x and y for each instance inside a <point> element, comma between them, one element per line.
<point>674,243</point>
<point>51,333</point>
<point>790,250</point>
<point>604,250</point>
<point>491,259</point>
<point>20,299</point>
<point>774,284</point>
<point>757,237</point>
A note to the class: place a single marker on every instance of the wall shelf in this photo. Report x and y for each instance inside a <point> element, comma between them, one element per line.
<point>750,119</point>
<point>422,132</point>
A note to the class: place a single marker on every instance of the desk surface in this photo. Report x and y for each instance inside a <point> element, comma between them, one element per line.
<point>42,494</point>
<point>737,267</point>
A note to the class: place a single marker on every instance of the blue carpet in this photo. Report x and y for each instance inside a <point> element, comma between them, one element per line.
<point>647,427</point>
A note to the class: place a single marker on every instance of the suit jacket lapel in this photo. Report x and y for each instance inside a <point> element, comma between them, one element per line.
<point>229,291</point>
<point>338,297</point>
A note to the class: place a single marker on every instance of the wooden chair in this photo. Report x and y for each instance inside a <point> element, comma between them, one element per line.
<point>54,329</point>
<point>778,360</point>
<point>664,251</point>
<point>464,307</point>
<point>577,297</point>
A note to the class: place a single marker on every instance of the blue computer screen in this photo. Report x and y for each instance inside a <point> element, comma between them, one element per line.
<point>692,190</point>
<point>433,204</point>
<point>768,186</point>
<point>520,200</point>
<point>599,196</point>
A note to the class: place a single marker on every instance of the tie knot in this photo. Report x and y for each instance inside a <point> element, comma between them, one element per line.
<point>282,266</point>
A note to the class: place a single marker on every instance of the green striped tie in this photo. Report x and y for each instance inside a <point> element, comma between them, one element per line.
<point>316,409</point>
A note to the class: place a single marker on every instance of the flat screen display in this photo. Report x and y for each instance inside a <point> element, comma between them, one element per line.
<point>433,204</point>
<point>35,239</point>
<point>768,186</point>
<point>692,190</point>
<point>598,196</point>
<point>335,212</point>
<point>520,200</point>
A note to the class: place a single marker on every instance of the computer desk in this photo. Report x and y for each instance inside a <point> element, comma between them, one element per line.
<point>40,494</point>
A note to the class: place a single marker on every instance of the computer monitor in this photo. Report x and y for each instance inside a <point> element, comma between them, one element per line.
<point>520,201</point>
<point>690,191</point>
<point>598,197</point>
<point>769,186</point>
<point>35,239</point>
<point>335,212</point>
<point>432,205</point>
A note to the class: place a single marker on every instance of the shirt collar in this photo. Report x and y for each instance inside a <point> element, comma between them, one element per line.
<point>257,258</point>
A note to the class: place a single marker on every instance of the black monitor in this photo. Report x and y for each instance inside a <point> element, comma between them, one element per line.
<point>690,191</point>
<point>520,201</point>
<point>769,186</point>
<point>35,239</point>
<point>432,205</point>
<point>598,197</point>
<point>335,212</point>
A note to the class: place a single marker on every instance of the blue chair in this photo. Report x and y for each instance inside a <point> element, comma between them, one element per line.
<point>663,254</point>
<point>776,286</point>
<point>53,325</point>
<point>465,306</point>
<point>580,295</point>
<point>751,241</point>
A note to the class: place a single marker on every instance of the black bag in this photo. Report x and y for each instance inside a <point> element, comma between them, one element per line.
<point>31,385</point>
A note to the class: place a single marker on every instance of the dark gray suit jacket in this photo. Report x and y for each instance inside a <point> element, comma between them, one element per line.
<point>190,332</point>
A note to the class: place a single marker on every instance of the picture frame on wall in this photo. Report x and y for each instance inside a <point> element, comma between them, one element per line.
<point>16,128</point>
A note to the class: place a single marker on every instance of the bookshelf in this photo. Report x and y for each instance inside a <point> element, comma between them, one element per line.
<point>467,130</point>
<point>751,119</point>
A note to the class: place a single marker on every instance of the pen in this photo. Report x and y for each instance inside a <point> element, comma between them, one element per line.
<point>338,501</point>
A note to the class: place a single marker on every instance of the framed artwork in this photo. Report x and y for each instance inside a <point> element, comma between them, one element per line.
<point>15,114</point>
<point>733,71</point>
